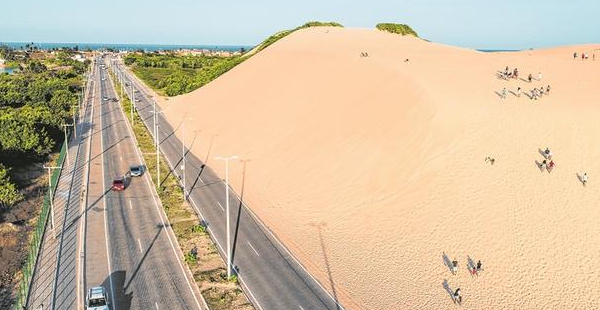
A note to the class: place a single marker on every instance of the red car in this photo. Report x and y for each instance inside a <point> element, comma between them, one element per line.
<point>118,184</point>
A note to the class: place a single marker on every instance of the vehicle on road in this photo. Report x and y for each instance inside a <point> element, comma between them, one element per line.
<point>136,171</point>
<point>105,98</point>
<point>118,184</point>
<point>97,299</point>
<point>138,99</point>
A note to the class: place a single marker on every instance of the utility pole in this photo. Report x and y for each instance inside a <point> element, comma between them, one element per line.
<point>226,160</point>
<point>183,156</point>
<point>51,198</point>
<point>74,108</point>
<point>132,105</point>
<point>67,142</point>
<point>156,141</point>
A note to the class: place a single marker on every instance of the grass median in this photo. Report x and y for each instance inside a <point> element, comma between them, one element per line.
<point>207,266</point>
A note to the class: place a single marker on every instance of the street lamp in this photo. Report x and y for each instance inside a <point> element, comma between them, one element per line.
<point>226,160</point>
<point>67,141</point>
<point>51,198</point>
<point>183,153</point>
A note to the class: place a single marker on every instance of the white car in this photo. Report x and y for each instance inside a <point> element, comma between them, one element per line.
<point>97,299</point>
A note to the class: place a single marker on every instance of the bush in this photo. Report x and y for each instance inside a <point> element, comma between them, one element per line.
<point>397,28</point>
<point>198,229</point>
<point>8,191</point>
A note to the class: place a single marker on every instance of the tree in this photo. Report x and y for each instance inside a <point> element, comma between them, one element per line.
<point>36,66</point>
<point>9,195</point>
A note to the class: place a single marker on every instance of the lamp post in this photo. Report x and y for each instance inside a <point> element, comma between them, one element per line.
<point>51,198</point>
<point>183,153</point>
<point>74,108</point>
<point>226,160</point>
<point>67,142</point>
<point>157,143</point>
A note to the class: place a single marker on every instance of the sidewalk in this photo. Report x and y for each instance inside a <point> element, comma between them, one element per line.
<point>67,204</point>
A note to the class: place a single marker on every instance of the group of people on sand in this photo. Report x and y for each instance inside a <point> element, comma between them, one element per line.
<point>548,162</point>
<point>509,74</point>
<point>473,270</point>
<point>584,56</point>
<point>535,93</point>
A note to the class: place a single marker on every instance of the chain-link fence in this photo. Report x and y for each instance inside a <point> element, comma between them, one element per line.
<point>38,234</point>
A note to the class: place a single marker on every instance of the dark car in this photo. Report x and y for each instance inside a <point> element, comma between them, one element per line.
<point>115,99</point>
<point>136,171</point>
<point>118,184</point>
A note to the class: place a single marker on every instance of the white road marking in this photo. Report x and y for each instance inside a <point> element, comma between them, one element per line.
<point>289,253</point>
<point>156,304</point>
<point>220,206</point>
<point>130,206</point>
<point>162,219</point>
<point>253,249</point>
<point>201,181</point>
<point>140,244</point>
<point>112,291</point>
<point>301,307</point>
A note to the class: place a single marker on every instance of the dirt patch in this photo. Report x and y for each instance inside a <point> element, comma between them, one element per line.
<point>16,226</point>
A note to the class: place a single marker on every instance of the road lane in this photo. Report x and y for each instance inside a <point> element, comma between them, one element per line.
<point>274,279</point>
<point>141,279</point>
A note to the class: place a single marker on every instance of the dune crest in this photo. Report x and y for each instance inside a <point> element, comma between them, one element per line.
<point>370,167</point>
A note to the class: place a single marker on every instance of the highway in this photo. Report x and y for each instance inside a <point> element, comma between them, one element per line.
<point>130,248</point>
<point>271,277</point>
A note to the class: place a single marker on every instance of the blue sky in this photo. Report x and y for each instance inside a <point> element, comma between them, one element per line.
<point>503,24</point>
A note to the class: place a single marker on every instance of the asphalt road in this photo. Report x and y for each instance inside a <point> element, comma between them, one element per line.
<point>130,247</point>
<point>271,277</point>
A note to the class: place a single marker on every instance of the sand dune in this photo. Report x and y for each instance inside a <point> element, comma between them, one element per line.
<point>369,168</point>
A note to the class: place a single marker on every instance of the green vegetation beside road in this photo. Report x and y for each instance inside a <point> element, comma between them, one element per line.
<point>171,74</point>
<point>34,104</point>
<point>397,28</point>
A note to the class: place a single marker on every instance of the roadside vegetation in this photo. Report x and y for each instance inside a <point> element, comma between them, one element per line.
<point>397,28</point>
<point>35,102</point>
<point>200,254</point>
<point>171,74</point>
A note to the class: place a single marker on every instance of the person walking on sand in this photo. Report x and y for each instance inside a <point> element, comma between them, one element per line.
<point>454,266</point>
<point>519,92</point>
<point>479,266</point>
<point>457,296</point>
<point>575,55</point>
<point>550,166</point>
<point>543,165</point>
<point>546,152</point>
<point>503,95</point>
<point>584,179</point>
<point>530,77</point>
<point>548,90</point>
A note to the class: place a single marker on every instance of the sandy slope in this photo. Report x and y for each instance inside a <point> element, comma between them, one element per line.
<point>370,168</point>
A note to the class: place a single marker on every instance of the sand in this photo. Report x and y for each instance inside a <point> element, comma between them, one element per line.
<point>370,168</point>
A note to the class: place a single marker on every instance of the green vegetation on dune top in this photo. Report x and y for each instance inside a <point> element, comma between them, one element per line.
<point>402,29</point>
<point>171,74</point>
<point>278,36</point>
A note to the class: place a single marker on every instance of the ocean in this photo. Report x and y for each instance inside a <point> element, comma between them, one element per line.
<point>128,47</point>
